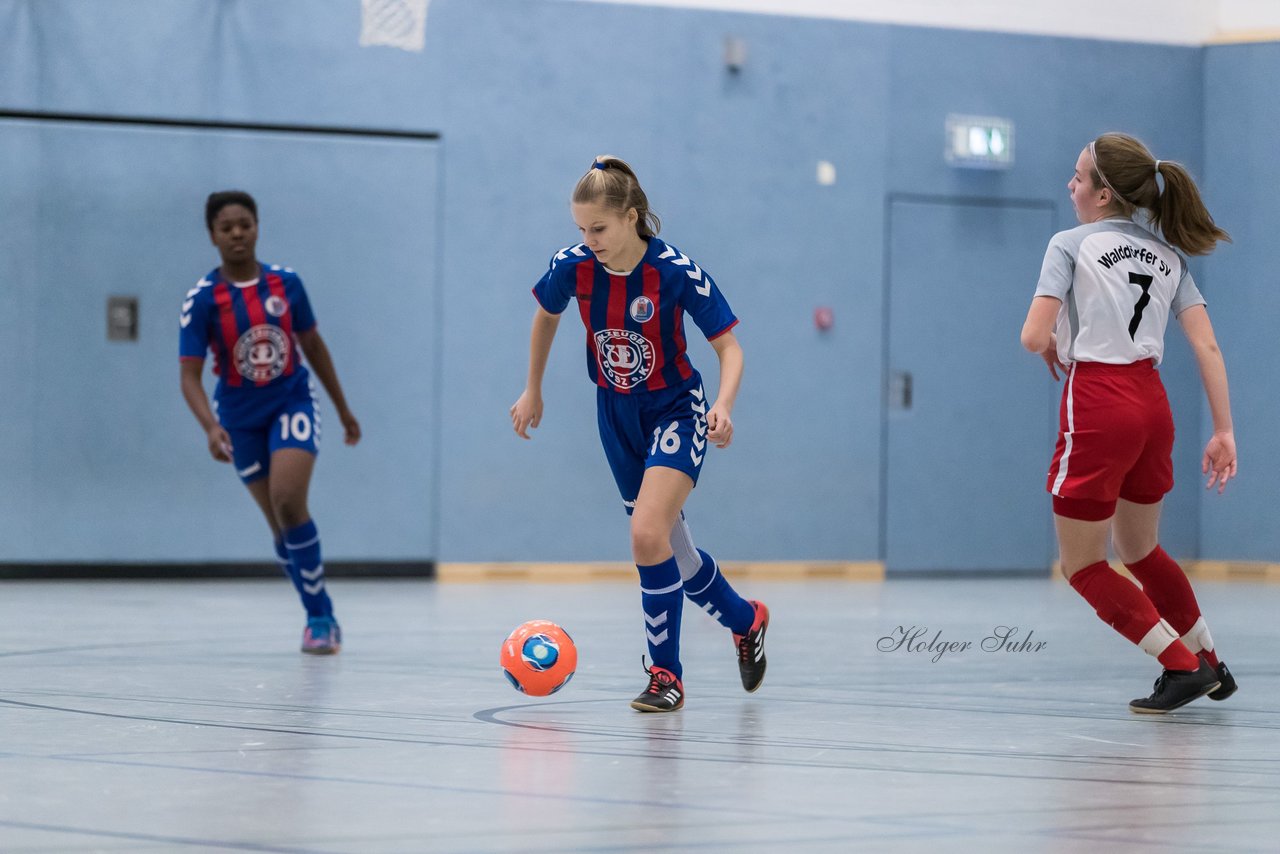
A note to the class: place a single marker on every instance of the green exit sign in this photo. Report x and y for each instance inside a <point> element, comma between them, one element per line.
<point>979,142</point>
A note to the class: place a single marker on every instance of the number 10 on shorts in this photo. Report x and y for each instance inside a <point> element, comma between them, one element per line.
<point>298,424</point>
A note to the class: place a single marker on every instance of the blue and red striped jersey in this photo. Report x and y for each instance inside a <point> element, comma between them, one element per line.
<point>250,328</point>
<point>635,322</point>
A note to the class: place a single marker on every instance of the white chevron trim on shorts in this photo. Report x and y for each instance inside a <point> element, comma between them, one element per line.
<point>699,427</point>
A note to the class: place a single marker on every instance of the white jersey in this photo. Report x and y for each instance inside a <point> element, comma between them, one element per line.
<point>1118,283</point>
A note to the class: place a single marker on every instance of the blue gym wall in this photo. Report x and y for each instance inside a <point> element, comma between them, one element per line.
<point>102,461</point>
<point>1242,124</point>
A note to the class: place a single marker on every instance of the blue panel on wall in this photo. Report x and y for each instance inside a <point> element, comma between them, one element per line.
<point>729,161</point>
<point>526,93</point>
<point>20,511</point>
<point>292,62</point>
<point>1242,124</point>
<point>118,466</point>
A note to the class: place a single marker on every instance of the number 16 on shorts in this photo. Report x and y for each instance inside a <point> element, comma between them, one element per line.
<point>682,442</point>
<point>668,441</point>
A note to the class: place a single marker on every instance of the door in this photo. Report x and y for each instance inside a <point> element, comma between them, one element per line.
<point>970,415</point>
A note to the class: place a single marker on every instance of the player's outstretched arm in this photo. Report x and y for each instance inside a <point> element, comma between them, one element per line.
<point>1219,461</point>
<point>198,403</point>
<point>526,412</point>
<point>719,422</point>
<point>317,353</point>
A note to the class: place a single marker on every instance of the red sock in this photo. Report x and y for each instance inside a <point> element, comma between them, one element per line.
<point>1167,587</point>
<point>1123,606</point>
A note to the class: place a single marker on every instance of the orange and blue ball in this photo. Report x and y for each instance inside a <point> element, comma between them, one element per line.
<point>539,658</point>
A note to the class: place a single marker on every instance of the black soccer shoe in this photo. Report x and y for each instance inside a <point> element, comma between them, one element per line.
<point>1228,684</point>
<point>664,694</point>
<point>1176,688</point>
<point>751,660</point>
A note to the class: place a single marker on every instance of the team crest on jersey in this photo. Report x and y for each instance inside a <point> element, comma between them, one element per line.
<point>261,353</point>
<point>625,357</point>
<point>276,306</point>
<point>641,309</point>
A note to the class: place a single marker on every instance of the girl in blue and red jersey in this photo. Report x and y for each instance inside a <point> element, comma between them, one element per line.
<point>255,318</point>
<point>654,419</point>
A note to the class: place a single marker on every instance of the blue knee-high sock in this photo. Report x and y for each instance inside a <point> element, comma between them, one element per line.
<point>286,566</point>
<point>662,601</point>
<point>303,543</point>
<point>711,591</point>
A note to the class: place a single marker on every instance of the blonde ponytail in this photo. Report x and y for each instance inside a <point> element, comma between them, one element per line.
<point>612,182</point>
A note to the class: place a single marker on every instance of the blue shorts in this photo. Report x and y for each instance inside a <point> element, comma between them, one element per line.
<point>657,428</point>
<point>294,422</point>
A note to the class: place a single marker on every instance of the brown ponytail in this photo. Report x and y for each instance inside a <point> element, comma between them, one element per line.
<point>1125,166</point>
<point>613,183</point>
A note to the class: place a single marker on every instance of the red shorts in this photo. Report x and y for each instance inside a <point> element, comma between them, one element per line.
<point>1115,440</point>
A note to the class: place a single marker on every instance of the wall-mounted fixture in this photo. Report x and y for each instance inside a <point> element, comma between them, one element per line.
<point>735,54</point>
<point>979,142</point>
<point>122,318</point>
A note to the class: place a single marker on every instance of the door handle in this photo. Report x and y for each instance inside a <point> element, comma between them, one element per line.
<point>900,390</point>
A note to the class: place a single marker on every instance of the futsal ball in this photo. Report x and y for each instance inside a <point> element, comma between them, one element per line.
<point>538,658</point>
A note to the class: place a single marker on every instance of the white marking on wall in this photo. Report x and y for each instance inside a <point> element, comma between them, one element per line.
<point>394,23</point>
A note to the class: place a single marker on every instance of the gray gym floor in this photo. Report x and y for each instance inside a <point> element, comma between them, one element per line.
<point>175,716</point>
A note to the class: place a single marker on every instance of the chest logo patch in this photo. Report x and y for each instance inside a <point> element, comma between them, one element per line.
<point>641,309</point>
<point>625,357</point>
<point>261,353</point>
<point>276,306</point>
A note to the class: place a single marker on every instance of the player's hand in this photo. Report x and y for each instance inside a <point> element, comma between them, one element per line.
<point>720,426</point>
<point>1050,356</point>
<point>1220,458</point>
<point>219,444</point>
<point>526,413</point>
<point>350,427</point>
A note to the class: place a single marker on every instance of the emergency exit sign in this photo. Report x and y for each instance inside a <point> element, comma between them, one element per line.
<point>979,142</point>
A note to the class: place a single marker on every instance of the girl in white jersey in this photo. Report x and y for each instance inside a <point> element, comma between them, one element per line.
<point>1106,291</point>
